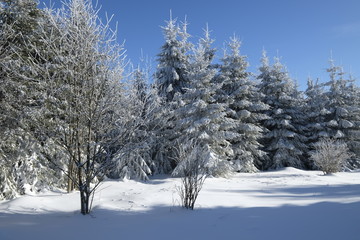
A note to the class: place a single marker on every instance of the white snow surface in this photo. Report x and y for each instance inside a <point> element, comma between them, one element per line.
<point>284,204</point>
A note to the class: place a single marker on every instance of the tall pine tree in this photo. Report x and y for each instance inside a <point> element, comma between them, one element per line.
<point>199,116</point>
<point>24,164</point>
<point>342,120</point>
<point>173,61</point>
<point>244,109</point>
<point>284,141</point>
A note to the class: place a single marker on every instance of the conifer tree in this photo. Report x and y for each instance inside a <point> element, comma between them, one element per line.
<point>171,79</point>
<point>342,120</point>
<point>140,128</point>
<point>316,112</point>
<point>198,115</point>
<point>284,141</point>
<point>130,160</point>
<point>173,62</point>
<point>24,165</point>
<point>244,109</point>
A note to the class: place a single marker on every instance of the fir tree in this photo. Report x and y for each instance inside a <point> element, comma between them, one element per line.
<point>24,164</point>
<point>342,120</point>
<point>316,112</point>
<point>244,109</point>
<point>173,62</point>
<point>140,130</point>
<point>198,115</point>
<point>284,142</point>
<point>171,79</point>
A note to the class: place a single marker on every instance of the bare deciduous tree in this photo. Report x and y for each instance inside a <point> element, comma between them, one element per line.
<point>81,67</point>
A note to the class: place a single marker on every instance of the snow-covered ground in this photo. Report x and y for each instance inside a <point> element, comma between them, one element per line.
<point>286,204</point>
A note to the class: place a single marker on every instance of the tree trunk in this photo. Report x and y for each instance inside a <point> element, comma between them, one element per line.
<point>71,172</point>
<point>84,189</point>
<point>84,199</point>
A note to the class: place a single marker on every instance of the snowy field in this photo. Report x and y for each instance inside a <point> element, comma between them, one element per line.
<point>286,204</point>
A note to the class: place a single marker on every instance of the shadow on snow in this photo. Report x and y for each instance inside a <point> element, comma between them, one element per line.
<point>322,191</point>
<point>324,220</point>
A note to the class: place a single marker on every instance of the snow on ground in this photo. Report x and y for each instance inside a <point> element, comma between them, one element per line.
<point>286,204</point>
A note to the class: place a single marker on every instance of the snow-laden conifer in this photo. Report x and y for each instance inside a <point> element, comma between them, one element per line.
<point>23,159</point>
<point>171,79</point>
<point>342,120</point>
<point>284,141</point>
<point>244,109</point>
<point>140,130</point>
<point>173,61</point>
<point>198,114</point>
<point>316,112</point>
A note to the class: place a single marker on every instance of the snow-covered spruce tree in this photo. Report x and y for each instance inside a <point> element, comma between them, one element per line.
<point>315,110</point>
<point>284,141</point>
<point>139,131</point>
<point>24,167</point>
<point>131,159</point>
<point>244,109</point>
<point>316,113</point>
<point>83,70</point>
<point>199,116</point>
<point>342,120</point>
<point>353,133</point>
<point>173,61</point>
<point>171,78</point>
<point>158,114</point>
<point>8,114</point>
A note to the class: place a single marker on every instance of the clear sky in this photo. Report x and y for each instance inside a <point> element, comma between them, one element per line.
<point>302,32</point>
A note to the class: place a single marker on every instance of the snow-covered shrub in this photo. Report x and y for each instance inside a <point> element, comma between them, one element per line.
<point>330,155</point>
<point>192,168</point>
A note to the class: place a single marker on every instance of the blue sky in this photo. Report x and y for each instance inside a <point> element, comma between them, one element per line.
<point>302,32</point>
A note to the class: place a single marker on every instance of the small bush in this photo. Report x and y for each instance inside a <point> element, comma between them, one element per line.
<point>330,155</point>
<point>192,170</point>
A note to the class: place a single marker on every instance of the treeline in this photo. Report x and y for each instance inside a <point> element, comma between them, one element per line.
<point>70,116</point>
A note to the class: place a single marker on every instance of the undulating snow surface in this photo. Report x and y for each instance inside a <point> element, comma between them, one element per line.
<point>285,204</point>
